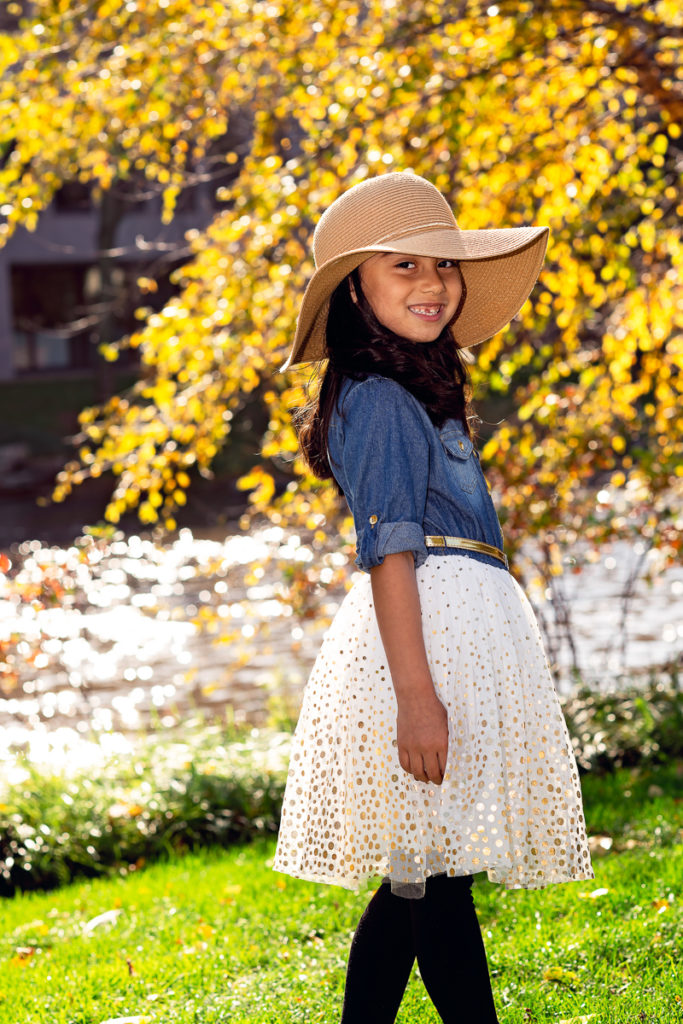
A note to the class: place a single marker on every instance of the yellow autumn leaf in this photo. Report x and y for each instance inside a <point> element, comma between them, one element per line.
<point>561,975</point>
<point>593,364</point>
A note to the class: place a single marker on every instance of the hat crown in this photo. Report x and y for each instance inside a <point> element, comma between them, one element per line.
<point>380,211</point>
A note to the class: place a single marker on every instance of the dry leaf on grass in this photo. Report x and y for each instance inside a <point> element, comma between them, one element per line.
<point>126,1020</point>
<point>560,974</point>
<point>599,844</point>
<point>108,917</point>
<point>592,895</point>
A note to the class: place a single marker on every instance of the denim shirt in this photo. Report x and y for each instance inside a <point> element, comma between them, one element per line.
<point>404,478</point>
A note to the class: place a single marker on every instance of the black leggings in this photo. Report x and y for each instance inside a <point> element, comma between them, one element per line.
<point>440,929</point>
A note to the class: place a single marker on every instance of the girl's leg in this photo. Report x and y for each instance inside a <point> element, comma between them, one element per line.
<point>380,960</point>
<point>450,951</point>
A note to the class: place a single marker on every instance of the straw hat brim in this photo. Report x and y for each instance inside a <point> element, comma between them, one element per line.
<point>499,265</point>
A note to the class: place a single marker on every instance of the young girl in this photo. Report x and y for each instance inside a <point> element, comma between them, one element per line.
<point>431,743</point>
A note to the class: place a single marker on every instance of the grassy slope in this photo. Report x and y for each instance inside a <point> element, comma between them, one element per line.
<point>218,936</point>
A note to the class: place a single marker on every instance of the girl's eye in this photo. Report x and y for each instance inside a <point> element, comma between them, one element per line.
<point>446,264</point>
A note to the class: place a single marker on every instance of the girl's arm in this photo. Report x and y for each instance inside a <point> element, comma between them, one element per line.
<point>422,722</point>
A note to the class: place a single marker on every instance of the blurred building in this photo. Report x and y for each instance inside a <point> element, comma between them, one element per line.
<point>50,289</point>
<point>60,294</point>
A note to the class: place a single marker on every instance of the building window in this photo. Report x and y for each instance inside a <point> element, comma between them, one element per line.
<point>73,196</point>
<point>40,350</point>
<point>60,314</point>
<point>9,21</point>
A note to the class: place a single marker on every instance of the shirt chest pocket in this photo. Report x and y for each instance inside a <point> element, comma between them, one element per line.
<point>461,459</point>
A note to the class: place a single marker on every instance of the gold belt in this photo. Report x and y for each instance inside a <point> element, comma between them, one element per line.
<point>469,545</point>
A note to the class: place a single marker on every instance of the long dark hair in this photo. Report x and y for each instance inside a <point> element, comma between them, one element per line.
<point>359,345</point>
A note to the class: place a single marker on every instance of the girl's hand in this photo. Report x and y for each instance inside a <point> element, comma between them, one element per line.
<point>422,722</point>
<point>422,737</point>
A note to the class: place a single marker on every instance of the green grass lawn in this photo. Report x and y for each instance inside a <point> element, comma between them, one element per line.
<point>218,936</point>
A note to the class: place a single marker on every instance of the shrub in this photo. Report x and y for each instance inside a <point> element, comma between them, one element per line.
<point>168,797</point>
<point>626,727</point>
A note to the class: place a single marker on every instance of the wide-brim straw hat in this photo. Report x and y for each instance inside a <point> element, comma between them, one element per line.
<point>402,212</point>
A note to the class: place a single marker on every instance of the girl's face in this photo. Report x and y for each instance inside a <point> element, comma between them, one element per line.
<point>413,296</point>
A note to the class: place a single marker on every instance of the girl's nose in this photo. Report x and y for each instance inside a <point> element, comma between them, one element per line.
<point>432,280</point>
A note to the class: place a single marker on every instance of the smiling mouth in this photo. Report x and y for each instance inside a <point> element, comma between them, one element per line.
<point>427,312</point>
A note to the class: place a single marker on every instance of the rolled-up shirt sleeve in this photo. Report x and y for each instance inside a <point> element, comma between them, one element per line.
<point>383,450</point>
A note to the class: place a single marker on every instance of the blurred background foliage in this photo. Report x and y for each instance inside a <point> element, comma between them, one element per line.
<point>539,111</point>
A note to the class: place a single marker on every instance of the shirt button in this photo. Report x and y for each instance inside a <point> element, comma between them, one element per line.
<point>373,520</point>
<point>462,446</point>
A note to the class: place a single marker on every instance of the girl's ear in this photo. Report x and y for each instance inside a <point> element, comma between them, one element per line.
<point>352,289</point>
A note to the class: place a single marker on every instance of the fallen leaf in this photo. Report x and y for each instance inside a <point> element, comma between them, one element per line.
<point>23,955</point>
<point>126,1020</point>
<point>558,973</point>
<point>108,917</point>
<point>599,844</point>
<point>592,895</point>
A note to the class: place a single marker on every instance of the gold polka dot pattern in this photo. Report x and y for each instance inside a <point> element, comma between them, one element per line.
<point>510,803</point>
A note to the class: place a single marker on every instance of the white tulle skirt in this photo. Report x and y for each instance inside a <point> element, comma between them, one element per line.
<point>510,803</point>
